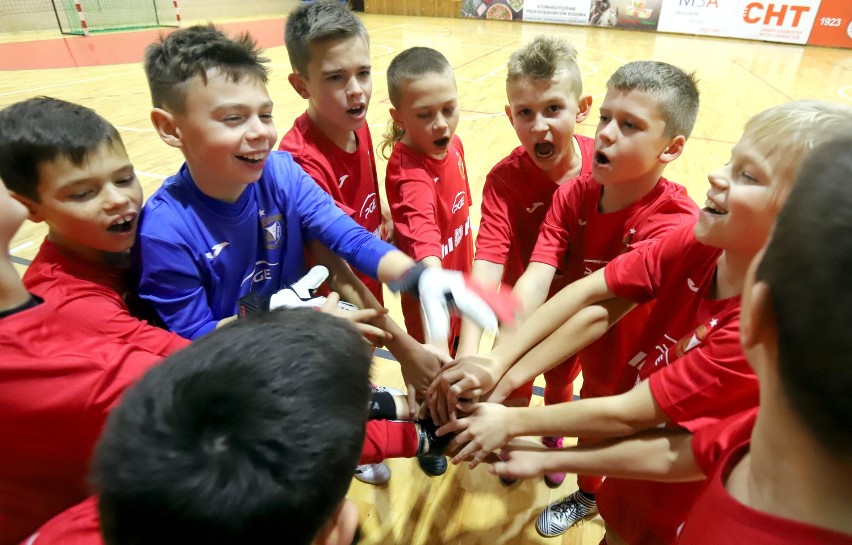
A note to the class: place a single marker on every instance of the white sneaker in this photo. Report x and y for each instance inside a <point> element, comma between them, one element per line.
<point>559,516</point>
<point>377,474</point>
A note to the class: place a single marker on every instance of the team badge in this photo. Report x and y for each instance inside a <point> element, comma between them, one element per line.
<point>272,230</point>
<point>461,166</point>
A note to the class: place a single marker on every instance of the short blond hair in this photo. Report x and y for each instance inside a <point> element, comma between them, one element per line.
<point>545,58</point>
<point>785,133</point>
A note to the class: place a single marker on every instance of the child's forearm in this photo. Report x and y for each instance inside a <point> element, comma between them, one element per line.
<point>549,317</point>
<point>582,329</point>
<point>657,455</point>
<point>393,265</point>
<point>613,416</point>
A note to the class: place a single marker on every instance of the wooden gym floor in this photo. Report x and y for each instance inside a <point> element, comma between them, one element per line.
<point>737,80</point>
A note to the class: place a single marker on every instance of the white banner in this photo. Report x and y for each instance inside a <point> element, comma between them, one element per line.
<point>572,12</point>
<point>788,21</point>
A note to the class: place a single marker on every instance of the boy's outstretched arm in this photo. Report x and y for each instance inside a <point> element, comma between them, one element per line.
<point>473,376</point>
<point>657,455</point>
<point>585,327</point>
<point>488,275</point>
<point>490,426</point>
<point>418,365</point>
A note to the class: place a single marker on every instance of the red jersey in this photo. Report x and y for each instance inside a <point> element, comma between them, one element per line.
<point>578,238</point>
<point>350,178</point>
<point>429,201</point>
<point>692,357</point>
<point>78,525</point>
<point>717,517</point>
<point>59,380</point>
<point>515,199</point>
<point>96,295</point>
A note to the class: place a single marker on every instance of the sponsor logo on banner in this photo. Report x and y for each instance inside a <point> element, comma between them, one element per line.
<point>571,12</point>
<point>787,21</point>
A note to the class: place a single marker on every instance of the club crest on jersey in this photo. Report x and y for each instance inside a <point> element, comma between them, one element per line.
<point>369,206</point>
<point>458,202</point>
<point>272,230</point>
<point>461,167</point>
<point>459,233</point>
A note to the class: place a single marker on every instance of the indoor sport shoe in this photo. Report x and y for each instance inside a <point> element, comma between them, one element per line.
<point>377,474</point>
<point>553,480</point>
<point>433,465</point>
<point>558,517</point>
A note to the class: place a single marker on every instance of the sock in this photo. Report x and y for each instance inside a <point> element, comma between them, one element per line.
<point>587,495</point>
<point>382,406</point>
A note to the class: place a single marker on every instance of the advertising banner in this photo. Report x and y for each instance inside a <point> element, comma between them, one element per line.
<point>569,12</point>
<point>636,14</point>
<point>502,10</point>
<point>833,24</point>
<point>702,17</point>
<point>787,21</point>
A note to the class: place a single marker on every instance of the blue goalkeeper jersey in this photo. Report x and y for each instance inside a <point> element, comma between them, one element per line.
<point>197,256</point>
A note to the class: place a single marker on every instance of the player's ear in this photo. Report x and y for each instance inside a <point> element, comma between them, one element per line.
<point>584,108</point>
<point>164,124</point>
<point>32,206</point>
<point>397,118</point>
<point>299,85</point>
<point>674,149</point>
<point>509,114</point>
<point>341,527</point>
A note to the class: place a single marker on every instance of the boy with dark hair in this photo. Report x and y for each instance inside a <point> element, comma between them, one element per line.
<point>58,380</point>
<point>329,52</point>
<point>69,167</point>
<point>219,444</point>
<point>690,367</point>
<point>780,476</point>
<point>235,219</point>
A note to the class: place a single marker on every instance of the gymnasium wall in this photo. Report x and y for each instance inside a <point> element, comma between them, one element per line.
<point>813,22</point>
<point>23,15</point>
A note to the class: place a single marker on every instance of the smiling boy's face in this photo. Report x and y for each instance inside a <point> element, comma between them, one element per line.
<point>225,132</point>
<point>742,201</point>
<point>428,113</point>
<point>91,208</point>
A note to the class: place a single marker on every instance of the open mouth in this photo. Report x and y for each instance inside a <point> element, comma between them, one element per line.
<point>253,159</point>
<point>356,111</point>
<point>543,150</point>
<point>123,225</point>
<point>712,208</point>
<point>442,142</point>
<point>601,159</point>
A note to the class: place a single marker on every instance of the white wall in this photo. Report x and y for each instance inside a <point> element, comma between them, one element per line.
<point>23,15</point>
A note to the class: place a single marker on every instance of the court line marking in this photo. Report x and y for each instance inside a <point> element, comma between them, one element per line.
<point>150,175</point>
<point>843,90</point>
<point>66,83</point>
<point>20,247</point>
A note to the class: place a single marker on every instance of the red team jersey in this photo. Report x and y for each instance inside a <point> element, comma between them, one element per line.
<point>716,517</point>
<point>60,379</point>
<point>515,199</point>
<point>579,239</point>
<point>94,294</point>
<point>693,360</point>
<point>430,204</point>
<point>350,178</point>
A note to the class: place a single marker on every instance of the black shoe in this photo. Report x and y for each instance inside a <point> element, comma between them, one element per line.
<point>433,465</point>
<point>429,443</point>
